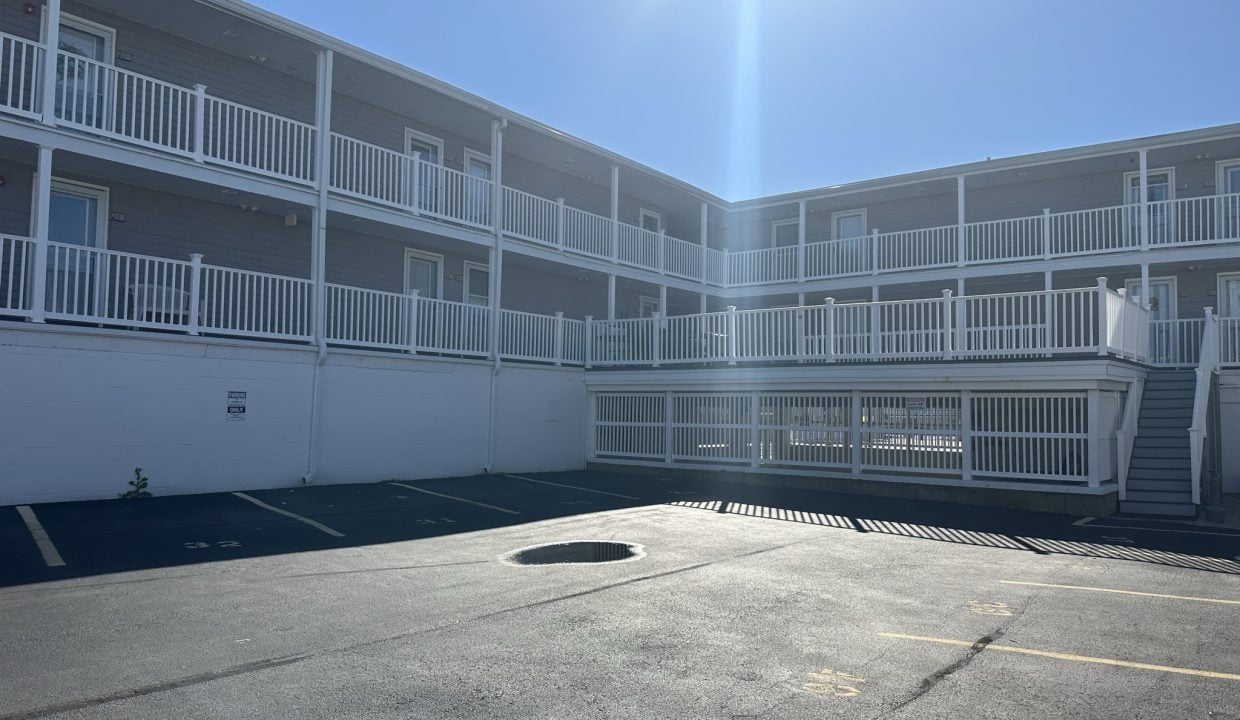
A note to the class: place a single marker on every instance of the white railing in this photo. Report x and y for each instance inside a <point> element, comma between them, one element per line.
<point>16,259</point>
<point>244,137</point>
<point>1198,431</point>
<point>1001,240</point>
<point>758,267</point>
<point>1127,434</point>
<point>587,233</point>
<point>110,101</point>
<point>682,259</point>
<point>1127,324</point>
<point>106,286</point>
<point>370,172</point>
<point>530,217</point>
<point>716,270</point>
<point>369,318</point>
<point>530,336</point>
<point>639,247</point>
<point>1176,343</point>
<point>1229,341</point>
<point>1188,221</point>
<point>916,249</point>
<point>1084,232</point>
<point>452,327</point>
<point>254,304</point>
<point>1015,436</point>
<point>839,258</point>
<point>1078,321</point>
<point>452,195</point>
<point>21,62</point>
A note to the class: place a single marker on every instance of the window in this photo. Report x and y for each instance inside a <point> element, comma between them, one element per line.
<point>1228,177</point>
<point>848,224</point>
<point>430,147</point>
<point>477,284</point>
<point>647,306</point>
<point>1229,294</point>
<point>423,272</point>
<point>1160,186</point>
<point>77,217</point>
<point>477,164</point>
<point>650,220</point>
<point>82,88</point>
<point>1162,299</point>
<point>477,193</point>
<point>785,233</point>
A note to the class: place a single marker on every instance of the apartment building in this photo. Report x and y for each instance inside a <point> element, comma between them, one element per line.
<point>240,253</point>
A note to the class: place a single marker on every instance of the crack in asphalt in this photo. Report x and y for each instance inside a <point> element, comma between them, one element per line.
<point>270,663</point>
<point>928,683</point>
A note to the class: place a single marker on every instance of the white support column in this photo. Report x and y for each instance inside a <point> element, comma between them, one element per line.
<point>611,296</point>
<point>322,176</point>
<point>946,330</point>
<point>195,291</point>
<point>559,337</point>
<point>663,300</point>
<point>875,321</point>
<point>1145,284</point>
<point>966,435</point>
<point>755,439</point>
<point>615,212</point>
<point>731,330</point>
<point>668,437</point>
<point>1048,311</point>
<point>51,41</point>
<point>854,432</point>
<point>1046,234</point>
<point>1143,202</point>
<point>496,266</point>
<point>656,324</point>
<point>559,224</point>
<point>828,330</point>
<point>42,221</point>
<point>1103,332</point>
<point>960,243</point>
<point>1093,406</point>
<point>702,238</point>
<point>589,342</point>
<point>200,122</point>
<point>702,303</point>
<point>801,242</point>
<point>874,251</point>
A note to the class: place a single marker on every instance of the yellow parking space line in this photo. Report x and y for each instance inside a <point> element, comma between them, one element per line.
<point>1066,656</point>
<point>1087,588</point>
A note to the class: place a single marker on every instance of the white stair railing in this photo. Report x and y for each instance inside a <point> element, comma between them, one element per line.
<point>1127,434</point>
<point>1197,432</point>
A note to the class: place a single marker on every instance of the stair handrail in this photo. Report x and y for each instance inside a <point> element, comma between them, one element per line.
<point>1207,366</point>
<point>1127,434</point>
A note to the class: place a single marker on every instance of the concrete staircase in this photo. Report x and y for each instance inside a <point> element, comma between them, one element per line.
<point>1158,474</point>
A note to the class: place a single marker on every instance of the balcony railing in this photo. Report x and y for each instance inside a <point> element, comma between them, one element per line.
<point>105,100</point>
<point>128,290</point>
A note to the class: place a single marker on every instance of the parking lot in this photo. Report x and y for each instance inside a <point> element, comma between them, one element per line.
<point>387,601</point>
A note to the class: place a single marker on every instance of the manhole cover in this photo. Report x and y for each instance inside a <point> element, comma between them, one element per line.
<point>574,553</point>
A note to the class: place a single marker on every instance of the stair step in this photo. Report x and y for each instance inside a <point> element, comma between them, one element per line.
<point>1161,392</point>
<point>1157,508</point>
<point>1183,473</point>
<point>1157,411</point>
<point>1178,423</point>
<point>1160,496</point>
<point>1149,439</point>
<point>1157,452</point>
<point>1158,463</point>
<point>1177,401</point>
<point>1163,375</point>
<point>1160,485</point>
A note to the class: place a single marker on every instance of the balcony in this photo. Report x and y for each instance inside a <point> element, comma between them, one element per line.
<point>112,102</point>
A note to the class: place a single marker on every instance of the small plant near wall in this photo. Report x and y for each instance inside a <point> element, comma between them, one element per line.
<point>137,486</point>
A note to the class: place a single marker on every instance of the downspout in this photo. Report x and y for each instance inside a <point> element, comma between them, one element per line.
<point>497,275</point>
<point>318,256</point>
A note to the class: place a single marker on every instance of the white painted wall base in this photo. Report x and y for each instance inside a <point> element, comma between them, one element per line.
<point>83,407</point>
<point>1229,423</point>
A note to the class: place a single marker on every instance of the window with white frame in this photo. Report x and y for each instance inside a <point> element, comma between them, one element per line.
<point>1229,207</point>
<point>477,283</point>
<point>785,233</point>
<point>848,224</point>
<point>647,306</point>
<point>81,91</point>
<point>1159,187</point>
<point>650,220</point>
<point>429,146</point>
<point>423,272</point>
<point>1229,294</point>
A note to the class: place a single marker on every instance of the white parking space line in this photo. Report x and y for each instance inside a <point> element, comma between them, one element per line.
<point>453,497</point>
<point>312,523</point>
<point>1084,520</point>
<point>1138,528</point>
<point>573,487</point>
<point>51,555</point>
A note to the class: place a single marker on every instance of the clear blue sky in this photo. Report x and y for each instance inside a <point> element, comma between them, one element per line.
<point>755,97</point>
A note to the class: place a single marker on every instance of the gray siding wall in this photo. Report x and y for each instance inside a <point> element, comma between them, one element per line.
<point>182,61</point>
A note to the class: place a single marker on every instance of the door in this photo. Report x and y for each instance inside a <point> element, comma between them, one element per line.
<point>477,194</point>
<point>1169,342</point>
<point>75,227</point>
<point>1157,192</point>
<point>1229,204</point>
<point>424,273</point>
<point>83,77</point>
<point>430,149</point>
<point>849,228</point>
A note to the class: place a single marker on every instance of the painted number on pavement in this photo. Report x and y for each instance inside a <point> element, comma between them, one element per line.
<point>204,545</point>
<point>989,608</point>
